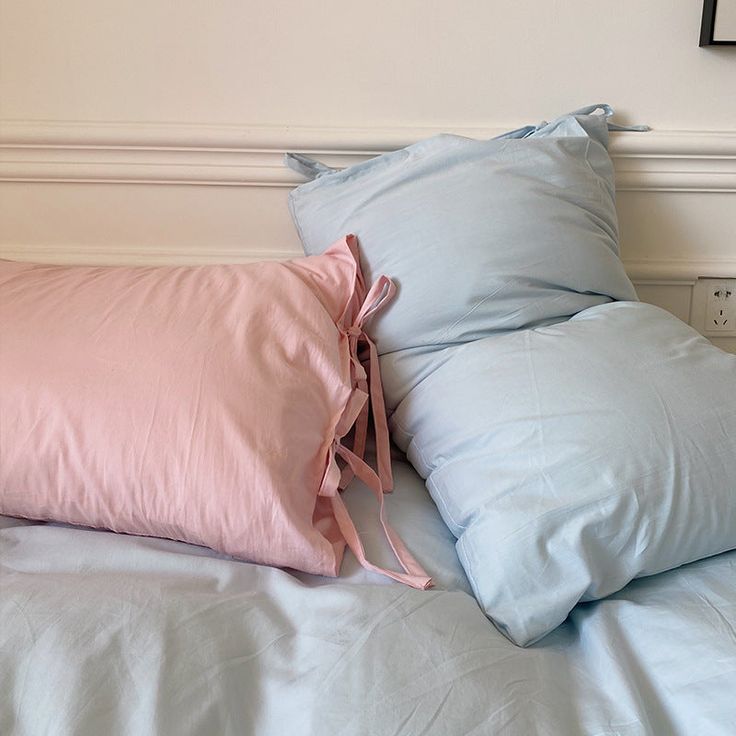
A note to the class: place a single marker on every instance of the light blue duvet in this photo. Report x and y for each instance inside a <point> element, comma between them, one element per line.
<point>104,635</point>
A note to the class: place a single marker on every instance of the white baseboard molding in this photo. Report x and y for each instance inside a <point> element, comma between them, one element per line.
<point>204,155</point>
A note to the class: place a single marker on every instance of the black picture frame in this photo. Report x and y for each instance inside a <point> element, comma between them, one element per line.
<point>707,26</point>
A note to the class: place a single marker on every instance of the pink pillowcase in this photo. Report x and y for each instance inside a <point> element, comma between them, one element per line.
<point>206,404</point>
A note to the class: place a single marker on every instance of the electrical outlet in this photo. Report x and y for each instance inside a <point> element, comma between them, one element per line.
<point>720,310</point>
<point>715,301</point>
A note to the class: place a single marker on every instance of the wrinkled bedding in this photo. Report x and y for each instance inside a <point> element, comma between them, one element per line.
<point>104,634</point>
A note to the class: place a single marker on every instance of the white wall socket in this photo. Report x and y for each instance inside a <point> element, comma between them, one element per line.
<point>714,307</point>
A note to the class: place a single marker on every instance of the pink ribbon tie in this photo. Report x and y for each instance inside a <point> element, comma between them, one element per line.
<point>368,398</point>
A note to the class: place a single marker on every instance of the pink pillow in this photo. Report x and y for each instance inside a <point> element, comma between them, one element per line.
<point>206,404</point>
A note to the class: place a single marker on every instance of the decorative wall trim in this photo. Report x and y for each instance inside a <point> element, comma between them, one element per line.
<point>642,272</point>
<point>175,154</point>
<point>674,272</point>
<point>140,255</point>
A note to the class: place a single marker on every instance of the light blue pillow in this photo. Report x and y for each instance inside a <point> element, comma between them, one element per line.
<point>480,236</point>
<point>569,459</point>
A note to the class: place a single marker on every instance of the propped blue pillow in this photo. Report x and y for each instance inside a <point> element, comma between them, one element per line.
<point>480,236</point>
<point>571,458</point>
<point>572,438</point>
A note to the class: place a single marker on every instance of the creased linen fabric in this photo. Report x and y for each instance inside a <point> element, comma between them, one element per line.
<point>571,438</point>
<point>480,236</point>
<point>130,636</point>
<point>205,404</point>
<point>571,458</point>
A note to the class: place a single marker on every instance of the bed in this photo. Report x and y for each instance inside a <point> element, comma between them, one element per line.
<point>104,633</point>
<point>577,445</point>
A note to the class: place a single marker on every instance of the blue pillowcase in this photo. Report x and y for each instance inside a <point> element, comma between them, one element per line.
<point>480,236</point>
<point>571,438</point>
<point>570,459</point>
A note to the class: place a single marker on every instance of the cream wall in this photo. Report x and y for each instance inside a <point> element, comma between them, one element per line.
<point>153,130</point>
<point>476,63</point>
